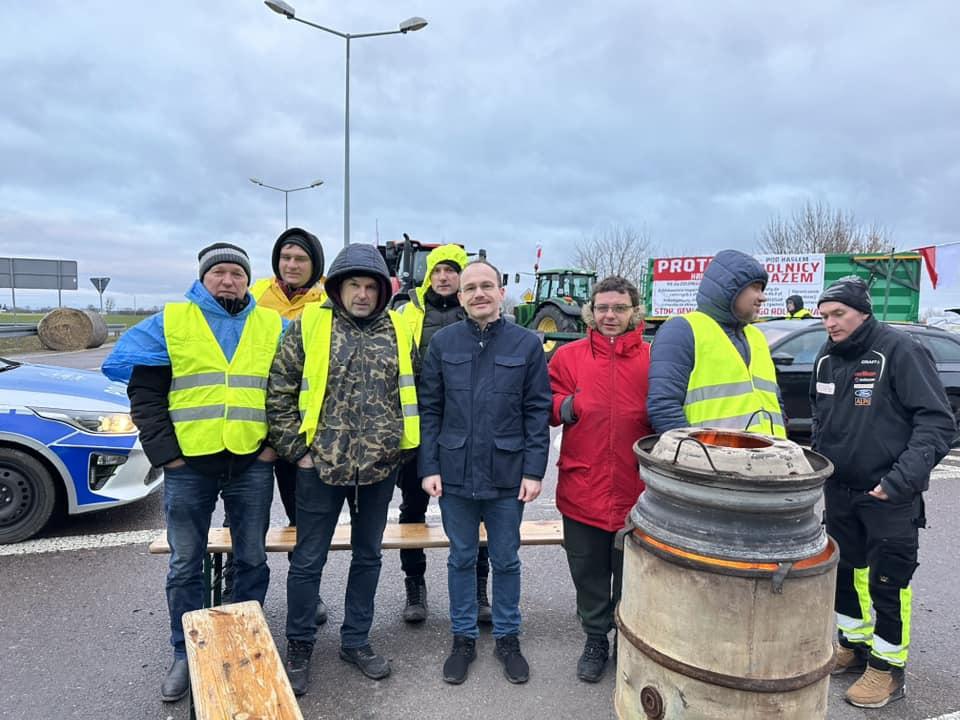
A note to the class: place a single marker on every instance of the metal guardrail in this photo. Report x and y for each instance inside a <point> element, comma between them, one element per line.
<point>8,330</point>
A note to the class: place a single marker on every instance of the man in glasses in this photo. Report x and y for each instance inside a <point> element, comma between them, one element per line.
<point>484,411</point>
<point>599,389</point>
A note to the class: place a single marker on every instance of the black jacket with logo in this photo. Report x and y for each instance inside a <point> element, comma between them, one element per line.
<point>880,412</point>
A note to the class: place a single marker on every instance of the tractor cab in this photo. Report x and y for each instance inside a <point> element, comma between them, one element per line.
<point>554,310</point>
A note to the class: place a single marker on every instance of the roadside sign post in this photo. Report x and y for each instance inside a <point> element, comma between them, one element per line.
<point>100,283</point>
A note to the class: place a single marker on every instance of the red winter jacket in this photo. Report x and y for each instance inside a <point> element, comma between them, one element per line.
<point>599,482</point>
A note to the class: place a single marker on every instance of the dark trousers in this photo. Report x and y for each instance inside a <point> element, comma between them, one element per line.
<point>188,501</point>
<point>413,509</point>
<point>286,473</point>
<point>318,510</point>
<point>596,567</point>
<point>878,542</point>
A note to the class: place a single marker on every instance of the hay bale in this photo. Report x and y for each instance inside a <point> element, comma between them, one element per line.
<point>70,329</point>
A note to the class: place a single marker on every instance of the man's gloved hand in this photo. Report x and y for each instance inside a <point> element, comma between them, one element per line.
<point>567,414</point>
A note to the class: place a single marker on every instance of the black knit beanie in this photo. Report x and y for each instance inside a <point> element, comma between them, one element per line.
<point>852,291</point>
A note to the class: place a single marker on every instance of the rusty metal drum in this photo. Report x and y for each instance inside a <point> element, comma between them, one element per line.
<point>728,581</point>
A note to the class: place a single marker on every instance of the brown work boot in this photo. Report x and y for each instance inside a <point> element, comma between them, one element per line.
<point>876,688</point>
<point>850,660</point>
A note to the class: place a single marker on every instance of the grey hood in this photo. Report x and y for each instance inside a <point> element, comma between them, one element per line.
<point>359,260</point>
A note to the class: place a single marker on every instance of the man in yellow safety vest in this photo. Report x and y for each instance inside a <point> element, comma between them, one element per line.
<point>342,405</point>
<point>711,367</point>
<point>197,381</point>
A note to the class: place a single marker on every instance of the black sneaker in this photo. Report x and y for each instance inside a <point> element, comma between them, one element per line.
<point>321,616</point>
<point>484,611</point>
<point>415,611</point>
<point>515,666</point>
<point>593,661</point>
<point>375,667</point>
<point>464,652</point>
<point>297,665</point>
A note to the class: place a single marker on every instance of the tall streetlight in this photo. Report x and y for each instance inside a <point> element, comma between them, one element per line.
<point>410,25</point>
<point>286,192</point>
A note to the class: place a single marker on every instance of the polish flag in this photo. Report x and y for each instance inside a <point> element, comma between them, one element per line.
<point>943,265</point>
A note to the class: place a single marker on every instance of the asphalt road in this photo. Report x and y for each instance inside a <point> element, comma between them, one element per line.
<point>83,627</point>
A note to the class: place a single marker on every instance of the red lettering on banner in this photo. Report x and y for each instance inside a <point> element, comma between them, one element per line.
<point>680,268</point>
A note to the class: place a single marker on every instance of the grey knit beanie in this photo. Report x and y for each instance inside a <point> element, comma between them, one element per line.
<point>222,252</point>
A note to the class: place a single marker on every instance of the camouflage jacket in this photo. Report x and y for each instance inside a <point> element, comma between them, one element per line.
<point>358,435</point>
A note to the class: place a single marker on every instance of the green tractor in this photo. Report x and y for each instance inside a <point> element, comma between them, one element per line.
<point>554,308</point>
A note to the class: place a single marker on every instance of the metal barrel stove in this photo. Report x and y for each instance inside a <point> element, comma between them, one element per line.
<point>728,581</point>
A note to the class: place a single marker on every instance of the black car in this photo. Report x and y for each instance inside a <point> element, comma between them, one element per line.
<point>794,345</point>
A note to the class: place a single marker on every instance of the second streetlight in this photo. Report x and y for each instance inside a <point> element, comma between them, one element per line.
<point>410,25</point>
<point>286,192</point>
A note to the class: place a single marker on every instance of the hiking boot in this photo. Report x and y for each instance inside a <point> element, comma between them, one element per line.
<point>484,611</point>
<point>415,611</point>
<point>297,665</point>
<point>464,652</point>
<point>177,682</point>
<point>321,617</point>
<point>593,661</point>
<point>876,688</point>
<point>850,659</point>
<point>515,666</point>
<point>375,667</point>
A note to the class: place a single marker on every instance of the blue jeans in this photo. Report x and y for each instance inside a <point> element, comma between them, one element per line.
<point>461,522</point>
<point>318,509</point>
<point>188,501</point>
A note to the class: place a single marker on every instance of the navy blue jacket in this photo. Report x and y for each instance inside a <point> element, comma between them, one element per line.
<point>672,352</point>
<point>484,409</point>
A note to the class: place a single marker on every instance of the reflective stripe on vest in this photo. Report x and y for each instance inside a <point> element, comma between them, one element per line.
<point>216,405</point>
<point>317,328</point>
<point>722,391</point>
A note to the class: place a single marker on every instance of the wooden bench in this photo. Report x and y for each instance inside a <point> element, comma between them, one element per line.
<point>395,537</point>
<point>235,669</point>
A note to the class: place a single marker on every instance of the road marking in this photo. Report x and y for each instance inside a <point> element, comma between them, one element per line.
<point>950,716</point>
<point>144,537</point>
<point>81,542</point>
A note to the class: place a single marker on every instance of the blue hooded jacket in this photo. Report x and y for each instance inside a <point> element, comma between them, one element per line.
<point>145,344</point>
<point>672,353</point>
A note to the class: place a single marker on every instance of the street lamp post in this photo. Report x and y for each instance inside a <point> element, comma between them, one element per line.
<point>410,25</point>
<point>286,193</point>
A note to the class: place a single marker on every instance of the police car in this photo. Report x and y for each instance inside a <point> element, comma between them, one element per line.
<point>66,441</point>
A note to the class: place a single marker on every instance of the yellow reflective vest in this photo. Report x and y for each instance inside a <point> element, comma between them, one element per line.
<point>722,390</point>
<point>316,329</point>
<point>214,404</point>
<point>413,315</point>
<point>268,294</point>
<point>800,314</point>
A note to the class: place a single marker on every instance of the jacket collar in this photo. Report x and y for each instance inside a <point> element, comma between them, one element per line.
<point>199,295</point>
<point>859,341</point>
<point>623,344</point>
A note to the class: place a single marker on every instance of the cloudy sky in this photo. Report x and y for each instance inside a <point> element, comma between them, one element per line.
<point>128,131</point>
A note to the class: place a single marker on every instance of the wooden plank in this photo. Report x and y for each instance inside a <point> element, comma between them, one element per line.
<point>235,669</point>
<point>395,536</point>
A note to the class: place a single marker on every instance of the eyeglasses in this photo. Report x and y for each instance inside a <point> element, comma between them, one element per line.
<point>618,309</point>
<point>487,287</point>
